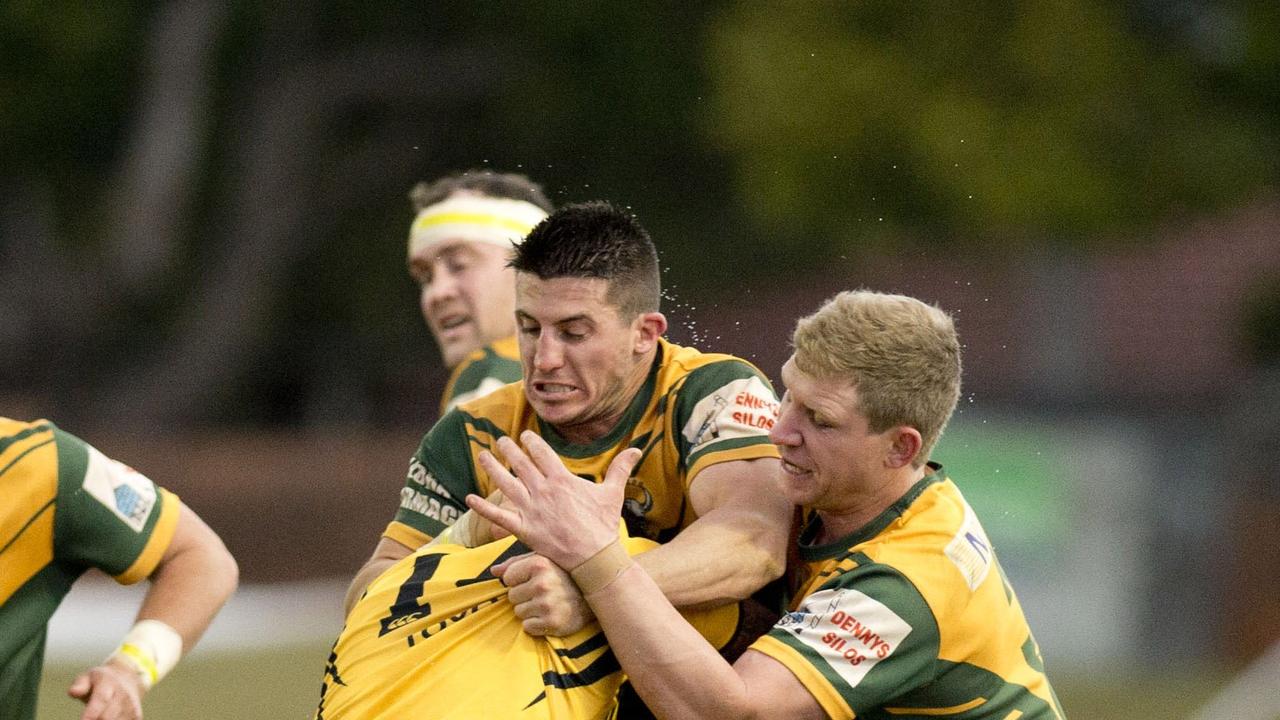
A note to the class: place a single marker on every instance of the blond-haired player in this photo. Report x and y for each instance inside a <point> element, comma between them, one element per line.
<point>905,611</point>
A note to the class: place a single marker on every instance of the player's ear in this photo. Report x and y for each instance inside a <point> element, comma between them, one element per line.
<point>905,444</point>
<point>648,327</point>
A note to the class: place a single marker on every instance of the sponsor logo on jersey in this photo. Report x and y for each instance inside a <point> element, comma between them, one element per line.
<point>127,493</point>
<point>970,550</point>
<point>743,408</point>
<point>418,473</point>
<point>851,631</point>
<point>425,504</point>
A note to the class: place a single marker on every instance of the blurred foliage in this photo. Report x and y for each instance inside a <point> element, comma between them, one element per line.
<point>780,134</point>
<point>1004,121</point>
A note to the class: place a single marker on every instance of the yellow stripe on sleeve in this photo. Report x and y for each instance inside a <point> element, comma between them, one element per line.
<point>953,710</point>
<point>407,536</point>
<point>161,536</point>
<point>832,702</point>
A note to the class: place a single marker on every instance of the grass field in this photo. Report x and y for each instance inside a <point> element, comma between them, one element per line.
<point>285,683</point>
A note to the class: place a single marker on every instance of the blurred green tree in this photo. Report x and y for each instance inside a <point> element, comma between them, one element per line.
<point>1027,121</point>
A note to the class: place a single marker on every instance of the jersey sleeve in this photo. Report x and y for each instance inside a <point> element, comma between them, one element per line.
<point>440,476</point>
<point>109,516</point>
<point>864,638</point>
<point>724,411</point>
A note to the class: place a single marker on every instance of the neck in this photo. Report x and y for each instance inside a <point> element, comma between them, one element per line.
<point>866,505</point>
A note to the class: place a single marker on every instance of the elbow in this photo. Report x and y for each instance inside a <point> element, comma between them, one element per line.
<point>224,567</point>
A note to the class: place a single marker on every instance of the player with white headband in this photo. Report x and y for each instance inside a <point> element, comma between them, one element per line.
<point>459,244</point>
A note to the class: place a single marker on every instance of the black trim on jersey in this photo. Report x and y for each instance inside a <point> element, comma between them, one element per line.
<point>516,548</point>
<point>594,642</point>
<point>599,669</point>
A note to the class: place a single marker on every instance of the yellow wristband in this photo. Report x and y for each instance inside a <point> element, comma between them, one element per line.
<point>600,570</point>
<point>143,663</point>
<point>152,648</point>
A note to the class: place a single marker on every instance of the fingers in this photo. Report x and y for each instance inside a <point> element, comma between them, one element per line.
<point>503,568</point>
<point>508,520</point>
<point>615,478</point>
<point>80,687</point>
<point>506,482</point>
<point>546,459</point>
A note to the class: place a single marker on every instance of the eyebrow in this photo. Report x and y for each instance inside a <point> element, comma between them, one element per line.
<point>580,317</point>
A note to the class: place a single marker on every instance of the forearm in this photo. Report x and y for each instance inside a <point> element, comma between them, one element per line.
<point>718,559</point>
<point>188,590</point>
<point>673,668</point>
<point>372,569</point>
<point>385,554</point>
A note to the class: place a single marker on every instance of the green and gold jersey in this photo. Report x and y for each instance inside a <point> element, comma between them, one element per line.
<point>435,637</point>
<point>64,508</point>
<point>694,410</point>
<point>481,372</point>
<point>912,617</point>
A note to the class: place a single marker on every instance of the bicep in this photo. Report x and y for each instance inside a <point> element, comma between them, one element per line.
<point>748,489</point>
<point>773,690</point>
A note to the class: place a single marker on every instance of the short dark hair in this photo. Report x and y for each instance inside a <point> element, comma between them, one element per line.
<point>596,240</point>
<point>493,184</point>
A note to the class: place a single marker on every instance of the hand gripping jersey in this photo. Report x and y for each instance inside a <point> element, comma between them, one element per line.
<point>481,372</point>
<point>694,410</point>
<point>911,616</point>
<point>64,508</point>
<point>435,638</point>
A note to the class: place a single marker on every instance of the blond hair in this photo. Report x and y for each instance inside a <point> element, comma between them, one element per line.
<point>902,356</point>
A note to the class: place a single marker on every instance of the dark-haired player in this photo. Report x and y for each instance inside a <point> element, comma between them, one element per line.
<point>599,378</point>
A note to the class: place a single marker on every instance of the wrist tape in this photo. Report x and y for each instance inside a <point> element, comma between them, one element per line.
<point>152,648</point>
<point>598,571</point>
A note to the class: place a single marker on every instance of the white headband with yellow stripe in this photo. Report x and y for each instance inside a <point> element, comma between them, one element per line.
<point>500,221</point>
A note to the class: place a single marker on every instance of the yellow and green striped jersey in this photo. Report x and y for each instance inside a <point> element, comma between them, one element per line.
<point>64,508</point>
<point>481,372</point>
<point>435,638</point>
<point>695,410</point>
<point>912,617</point>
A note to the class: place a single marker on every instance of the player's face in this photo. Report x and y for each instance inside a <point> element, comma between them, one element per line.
<point>467,295</point>
<point>829,454</point>
<point>582,361</point>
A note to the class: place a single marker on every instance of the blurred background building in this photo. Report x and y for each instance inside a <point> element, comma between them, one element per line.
<point>203,214</point>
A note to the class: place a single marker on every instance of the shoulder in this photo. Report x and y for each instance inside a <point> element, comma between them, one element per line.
<point>693,375</point>
<point>482,372</point>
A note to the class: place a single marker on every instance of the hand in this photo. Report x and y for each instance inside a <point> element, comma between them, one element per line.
<point>110,691</point>
<point>543,596</point>
<point>550,509</point>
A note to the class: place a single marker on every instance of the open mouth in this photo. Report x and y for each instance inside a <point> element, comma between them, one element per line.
<point>450,322</point>
<point>553,388</point>
<point>792,469</point>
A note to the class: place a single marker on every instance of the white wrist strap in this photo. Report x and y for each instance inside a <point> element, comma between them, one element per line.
<point>152,648</point>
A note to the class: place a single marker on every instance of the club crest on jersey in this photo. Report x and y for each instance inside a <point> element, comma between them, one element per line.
<point>128,494</point>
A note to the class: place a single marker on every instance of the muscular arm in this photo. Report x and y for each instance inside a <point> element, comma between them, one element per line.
<point>737,544</point>
<point>194,577</point>
<point>677,673</point>
<point>385,554</point>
